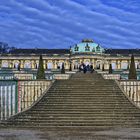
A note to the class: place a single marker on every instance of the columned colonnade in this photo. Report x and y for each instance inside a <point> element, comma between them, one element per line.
<point>56,62</point>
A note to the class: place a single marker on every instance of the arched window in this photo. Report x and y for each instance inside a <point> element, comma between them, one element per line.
<point>98,48</point>
<point>76,48</point>
<point>93,50</point>
<point>87,48</point>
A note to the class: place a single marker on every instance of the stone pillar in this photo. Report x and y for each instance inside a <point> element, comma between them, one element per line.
<point>44,64</point>
<point>105,64</point>
<point>119,64</point>
<point>53,62</point>
<point>72,64</point>
<point>32,64</point>
<point>22,63</point>
<point>9,64</point>
<point>66,64</point>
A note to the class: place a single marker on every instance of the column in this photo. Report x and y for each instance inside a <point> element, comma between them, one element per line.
<point>9,64</point>
<point>22,63</point>
<point>118,64</point>
<point>32,64</point>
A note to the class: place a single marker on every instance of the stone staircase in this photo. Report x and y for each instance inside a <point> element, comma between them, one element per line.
<point>84,101</point>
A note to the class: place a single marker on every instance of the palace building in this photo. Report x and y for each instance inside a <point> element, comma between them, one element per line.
<point>87,52</point>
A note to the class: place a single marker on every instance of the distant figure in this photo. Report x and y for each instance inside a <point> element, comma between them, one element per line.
<point>84,68</point>
<point>91,68</point>
<point>88,67</point>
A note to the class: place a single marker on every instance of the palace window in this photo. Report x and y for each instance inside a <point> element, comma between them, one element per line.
<point>93,50</point>
<point>87,48</point>
<point>76,48</point>
<point>98,48</point>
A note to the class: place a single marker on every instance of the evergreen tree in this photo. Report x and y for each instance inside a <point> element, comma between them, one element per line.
<point>132,70</point>
<point>63,69</point>
<point>40,71</point>
<point>110,69</point>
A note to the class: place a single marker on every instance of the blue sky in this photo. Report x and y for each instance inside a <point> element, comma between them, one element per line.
<point>62,23</point>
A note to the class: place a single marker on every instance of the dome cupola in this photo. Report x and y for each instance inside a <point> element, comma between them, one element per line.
<point>87,46</point>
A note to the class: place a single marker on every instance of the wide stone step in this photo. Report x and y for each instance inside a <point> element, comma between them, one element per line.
<point>83,110</point>
<point>84,114</point>
<point>96,94</point>
<point>84,97</point>
<point>57,95</point>
<point>86,94</point>
<point>79,117</point>
<point>90,84</point>
<point>84,88</point>
<point>95,100</point>
<point>60,97</point>
<point>79,87</point>
<point>85,91</point>
<point>94,124</point>
<point>82,102</point>
<point>84,81</point>
<point>84,107</point>
<point>64,121</point>
<point>77,114</point>
<point>84,85</point>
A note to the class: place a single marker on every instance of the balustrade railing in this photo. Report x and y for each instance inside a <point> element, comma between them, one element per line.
<point>16,96</point>
<point>30,76</point>
<point>62,76</point>
<point>132,89</point>
<point>112,76</point>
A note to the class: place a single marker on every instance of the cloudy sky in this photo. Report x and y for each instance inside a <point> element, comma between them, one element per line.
<point>62,23</point>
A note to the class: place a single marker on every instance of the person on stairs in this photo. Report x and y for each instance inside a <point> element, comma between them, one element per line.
<point>84,68</point>
<point>91,68</point>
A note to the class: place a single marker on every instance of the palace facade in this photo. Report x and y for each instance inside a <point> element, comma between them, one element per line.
<point>87,52</point>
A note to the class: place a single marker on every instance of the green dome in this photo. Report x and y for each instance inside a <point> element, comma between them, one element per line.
<point>87,46</point>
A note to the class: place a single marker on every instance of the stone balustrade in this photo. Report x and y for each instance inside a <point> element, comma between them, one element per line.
<point>131,89</point>
<point>18,95</point>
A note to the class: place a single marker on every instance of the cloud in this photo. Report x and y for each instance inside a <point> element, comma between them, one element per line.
<point>60,24</point>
